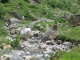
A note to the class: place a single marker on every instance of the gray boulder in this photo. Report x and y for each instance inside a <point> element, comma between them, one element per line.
<point>74,20</point>
<point>16,15</point>
<point>26,33</point>
<point>14,20</point>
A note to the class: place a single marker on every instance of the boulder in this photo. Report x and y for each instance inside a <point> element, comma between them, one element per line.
<point>26,33</point>
<point>14,20</point>
<point>16,15</point>
<point>74,20</point>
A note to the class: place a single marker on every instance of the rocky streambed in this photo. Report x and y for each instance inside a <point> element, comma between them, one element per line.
<point>31,45</point>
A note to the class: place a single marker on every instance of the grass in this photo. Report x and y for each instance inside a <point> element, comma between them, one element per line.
<point>3,31</point>
<point>42,23</point>
<point>63,55</point>
<point>72,33</point>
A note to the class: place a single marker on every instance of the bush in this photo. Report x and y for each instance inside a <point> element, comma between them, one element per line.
<point>4,1</point>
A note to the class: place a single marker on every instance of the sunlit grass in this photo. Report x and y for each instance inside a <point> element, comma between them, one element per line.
<point>72,55</point>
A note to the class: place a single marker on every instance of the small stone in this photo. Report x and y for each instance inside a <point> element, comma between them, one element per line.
<point>6,57</point>
<point>59,42</point>
<point>43,46</point>
<point>47,55</point>
<point>6,46</point>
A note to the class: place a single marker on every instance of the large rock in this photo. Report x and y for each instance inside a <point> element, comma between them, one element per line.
<point>73,20</point>
<point>26,33</point>
<point>14,20</point>
<point>16,15</point>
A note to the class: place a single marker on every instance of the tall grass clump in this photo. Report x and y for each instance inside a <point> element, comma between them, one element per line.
<point>16,43</point>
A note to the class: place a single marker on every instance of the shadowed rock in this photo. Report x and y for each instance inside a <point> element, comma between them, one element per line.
<point>73,20</point>
<point>16,15</point>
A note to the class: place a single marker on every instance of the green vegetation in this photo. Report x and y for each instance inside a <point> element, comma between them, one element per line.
<point>16,43</point>
<point>50,9</point>
<point>63,55</point>
<point>3,40</point>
